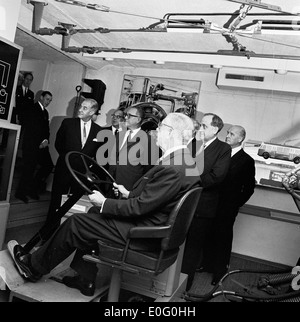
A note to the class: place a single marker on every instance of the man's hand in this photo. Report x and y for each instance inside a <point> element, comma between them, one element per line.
<point>97,198</point>
<point>119,189</point>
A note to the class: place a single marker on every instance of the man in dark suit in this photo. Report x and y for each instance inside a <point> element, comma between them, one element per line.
<point>35,150</point>
<point>75,134</point>
<point>216,165</point>
<point>117,119</point>
<point>117,126</point>
<point>149,204</point>
<point>128,167</point>
<point>235,191</point>
<point>24,99</point>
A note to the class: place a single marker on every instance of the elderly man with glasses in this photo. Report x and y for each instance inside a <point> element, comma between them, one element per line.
<point>134,152</point>
<point>148,204</point>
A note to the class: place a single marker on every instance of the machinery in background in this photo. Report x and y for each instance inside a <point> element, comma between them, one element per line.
<point>157,100</point>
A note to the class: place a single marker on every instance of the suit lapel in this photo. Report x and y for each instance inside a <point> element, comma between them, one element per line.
<point>236,159</point>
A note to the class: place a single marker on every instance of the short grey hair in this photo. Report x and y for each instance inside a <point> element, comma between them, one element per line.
<point>182,124</point>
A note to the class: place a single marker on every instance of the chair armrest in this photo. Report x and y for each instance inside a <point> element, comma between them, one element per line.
<point>149,232</point>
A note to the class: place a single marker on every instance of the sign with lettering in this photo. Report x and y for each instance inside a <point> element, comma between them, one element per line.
<point>10,57</point>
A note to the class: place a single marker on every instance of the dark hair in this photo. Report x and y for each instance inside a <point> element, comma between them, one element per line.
<point>28,73</point>
<point>140,110</point>
<point>44,93</point>
<point>216,121</point>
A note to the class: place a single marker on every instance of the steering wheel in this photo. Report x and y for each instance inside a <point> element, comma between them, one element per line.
<point>88,173</point>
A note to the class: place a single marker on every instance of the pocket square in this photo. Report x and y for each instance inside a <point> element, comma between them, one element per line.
<point>95,140</point>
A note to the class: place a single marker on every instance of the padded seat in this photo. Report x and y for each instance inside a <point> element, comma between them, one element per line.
<point>167,240</point>
<point>140,259</point>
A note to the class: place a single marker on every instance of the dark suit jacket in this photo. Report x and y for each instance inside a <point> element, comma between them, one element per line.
<point>238,185</point>
<point>35,128</point>
<point>216,164</point>
<point>130,162</point>
<point>23,103</point>
<point>68,138</point>
<point>155,194</point>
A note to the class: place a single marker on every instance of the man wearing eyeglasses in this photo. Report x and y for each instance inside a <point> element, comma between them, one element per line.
<point>117,118</point>
<point>148,204</point>
<point>135,152</point>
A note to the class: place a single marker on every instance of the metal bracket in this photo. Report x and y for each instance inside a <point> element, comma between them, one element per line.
<point>38,8</point>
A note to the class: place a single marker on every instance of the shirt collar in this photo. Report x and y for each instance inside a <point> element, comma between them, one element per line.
<point>114,129</point>
<point>133,132</point>
<point>41,105</point>
<point>87,123</point>
<point>236,150</point>
<point>210,142</point>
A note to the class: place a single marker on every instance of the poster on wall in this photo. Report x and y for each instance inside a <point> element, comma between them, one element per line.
<point>10,57</point>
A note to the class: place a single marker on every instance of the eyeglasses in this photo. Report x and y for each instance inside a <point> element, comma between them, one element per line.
<point>117,116</point>
<point>128,115</point>
<point>161,124</point>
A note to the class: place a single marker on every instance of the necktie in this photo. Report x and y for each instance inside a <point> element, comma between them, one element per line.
<point>116,132</point>
<point>84,134</point>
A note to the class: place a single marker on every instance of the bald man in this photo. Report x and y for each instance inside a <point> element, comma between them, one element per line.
<point>236,190</point>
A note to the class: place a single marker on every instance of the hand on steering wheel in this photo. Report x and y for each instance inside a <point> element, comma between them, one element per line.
<point>120,191</point>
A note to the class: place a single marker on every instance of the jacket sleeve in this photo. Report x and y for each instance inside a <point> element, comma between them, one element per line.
<point>60,138</point>
<point>218,171</point>
<point>248,183</point>
<point>154,194</point>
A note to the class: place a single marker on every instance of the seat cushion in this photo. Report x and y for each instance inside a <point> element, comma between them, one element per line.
<point>113,253</point>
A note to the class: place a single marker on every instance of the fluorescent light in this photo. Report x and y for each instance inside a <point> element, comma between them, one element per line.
<point>108,58</point>
<point>281,71</point>
<point>159,62</point>
<point>217,66</point>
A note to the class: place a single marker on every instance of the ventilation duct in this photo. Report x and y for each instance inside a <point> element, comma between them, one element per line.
<point>264,80</point>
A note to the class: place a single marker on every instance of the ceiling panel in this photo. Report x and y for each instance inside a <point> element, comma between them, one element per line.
<point>218,38</point>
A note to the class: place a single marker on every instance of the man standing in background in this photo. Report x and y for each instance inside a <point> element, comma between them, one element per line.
<point>78,135</point>
<point>24,99</point>
<point>235,191</point>
<point>216,165</point>
<point>35,149</point>
<point>127,167</point>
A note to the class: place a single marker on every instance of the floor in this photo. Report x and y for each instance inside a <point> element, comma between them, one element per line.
<point>240,282</point>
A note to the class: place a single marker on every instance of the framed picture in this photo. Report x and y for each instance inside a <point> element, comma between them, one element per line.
<point>172,95</point>
<point>10,60</point>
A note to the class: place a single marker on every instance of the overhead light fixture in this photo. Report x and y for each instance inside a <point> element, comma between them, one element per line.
<point>158,62</point>
<point>108,58</point>
<point>281,71</point>
<point>216,66</point>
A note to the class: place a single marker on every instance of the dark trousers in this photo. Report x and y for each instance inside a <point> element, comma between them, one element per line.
<point>194,245</point>
<point>218,249</point>
<point>79,233</point>
<point>37,165</point>
<point>63,184</point>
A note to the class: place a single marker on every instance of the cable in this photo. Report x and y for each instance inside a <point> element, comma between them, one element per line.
<point>193,297</point>
<point>221,31</point>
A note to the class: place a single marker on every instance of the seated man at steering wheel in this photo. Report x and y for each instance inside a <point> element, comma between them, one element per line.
<point>148,204</point>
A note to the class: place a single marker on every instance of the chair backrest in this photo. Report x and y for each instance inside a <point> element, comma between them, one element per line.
<point>180,219</point>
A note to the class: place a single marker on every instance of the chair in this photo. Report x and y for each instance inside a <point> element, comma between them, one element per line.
<point>124,259</point>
